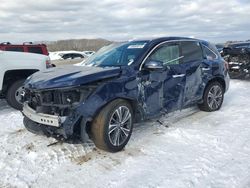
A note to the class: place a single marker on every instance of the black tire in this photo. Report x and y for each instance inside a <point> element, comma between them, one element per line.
<point>101,133</point>
<point>206,105</point>
<point>32,126</point>
<point>11,94</point>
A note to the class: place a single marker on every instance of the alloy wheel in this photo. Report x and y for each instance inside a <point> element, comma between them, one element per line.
<point>120,125</point>
<point>215,97</point>
<point>19,94</point>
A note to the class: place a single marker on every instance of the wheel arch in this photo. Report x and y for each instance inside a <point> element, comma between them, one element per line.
<point>11,76</point>
<point>131,101</point>
<point>216,79</point>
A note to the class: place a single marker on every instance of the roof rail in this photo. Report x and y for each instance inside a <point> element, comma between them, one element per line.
<point>27,43</point>
<point>6,43</point>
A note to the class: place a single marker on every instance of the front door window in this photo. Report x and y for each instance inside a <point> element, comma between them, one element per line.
<point>168,54</point>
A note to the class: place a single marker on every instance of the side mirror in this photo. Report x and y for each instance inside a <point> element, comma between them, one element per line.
<point>154,65</point>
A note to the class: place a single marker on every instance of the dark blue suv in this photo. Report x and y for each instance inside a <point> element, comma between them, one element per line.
<point>121,84</point>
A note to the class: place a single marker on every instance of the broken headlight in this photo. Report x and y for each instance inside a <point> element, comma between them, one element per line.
<point>71,97</point>
<point>65,97</point>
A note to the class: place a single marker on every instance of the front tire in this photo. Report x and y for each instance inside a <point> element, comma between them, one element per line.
<point>112,127</point>
<point>213,97</point>
<point>14,94</point>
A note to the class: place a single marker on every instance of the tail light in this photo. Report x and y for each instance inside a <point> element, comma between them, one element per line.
<point>48,64</point>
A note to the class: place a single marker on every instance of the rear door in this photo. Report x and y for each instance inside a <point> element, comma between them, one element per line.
<point>192,62</point>
<point>14,48</point>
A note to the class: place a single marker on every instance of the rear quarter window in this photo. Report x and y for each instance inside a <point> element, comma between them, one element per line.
<point>191,51</point>
<point>36,50</point>
<point>209,53</point>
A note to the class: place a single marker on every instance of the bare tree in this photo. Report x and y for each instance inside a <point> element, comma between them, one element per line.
<point>77,44</point>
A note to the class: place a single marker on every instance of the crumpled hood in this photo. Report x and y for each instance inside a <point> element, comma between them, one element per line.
<point>70,75</point>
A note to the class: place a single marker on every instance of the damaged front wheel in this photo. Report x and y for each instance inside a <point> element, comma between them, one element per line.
<point>112,128</point>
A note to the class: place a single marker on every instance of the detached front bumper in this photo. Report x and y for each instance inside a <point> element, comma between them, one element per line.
<point>45,119</point>
<point>50,125</point>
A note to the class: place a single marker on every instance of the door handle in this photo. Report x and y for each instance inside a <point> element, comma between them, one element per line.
<point>178,75</point>
<point>206,69</point>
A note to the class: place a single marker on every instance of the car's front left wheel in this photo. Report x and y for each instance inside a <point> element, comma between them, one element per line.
<point>112,127</point>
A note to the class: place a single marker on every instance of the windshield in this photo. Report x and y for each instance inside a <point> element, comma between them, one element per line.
<point>117,54</point>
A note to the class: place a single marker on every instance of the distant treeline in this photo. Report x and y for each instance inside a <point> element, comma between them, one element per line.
<point>235,41</point>
<point>77,44</point>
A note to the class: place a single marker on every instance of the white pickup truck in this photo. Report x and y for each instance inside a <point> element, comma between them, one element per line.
<point>15,67</point>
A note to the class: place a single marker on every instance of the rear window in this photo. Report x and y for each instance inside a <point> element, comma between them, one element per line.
<point>191,50</point>
<point>36,50</point>
<point>14,49</point>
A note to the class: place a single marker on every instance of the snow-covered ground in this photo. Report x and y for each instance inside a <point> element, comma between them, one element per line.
<point>198,149</point>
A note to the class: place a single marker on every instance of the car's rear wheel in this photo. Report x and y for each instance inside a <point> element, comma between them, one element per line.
<point>14,94</point>
<point>112,127</point>
<point>213,97</point>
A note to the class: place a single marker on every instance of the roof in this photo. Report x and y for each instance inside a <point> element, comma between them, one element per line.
<point>162,39</point>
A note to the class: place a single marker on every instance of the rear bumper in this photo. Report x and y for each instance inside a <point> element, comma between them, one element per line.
<point>227,82</point>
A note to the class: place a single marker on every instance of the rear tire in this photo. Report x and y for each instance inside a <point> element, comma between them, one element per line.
<point>112,127</point>
<point>13,94</point>
<point>212,98</point>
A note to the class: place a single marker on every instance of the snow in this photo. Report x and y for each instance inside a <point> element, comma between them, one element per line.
<point>192,149</point>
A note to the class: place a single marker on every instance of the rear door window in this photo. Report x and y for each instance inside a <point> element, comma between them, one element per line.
<point>77,56</point>
<point>36,50</point>
<point>191,51</point>
<point>14,49</point>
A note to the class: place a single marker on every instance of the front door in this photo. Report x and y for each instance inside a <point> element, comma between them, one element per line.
<point>162,90</point>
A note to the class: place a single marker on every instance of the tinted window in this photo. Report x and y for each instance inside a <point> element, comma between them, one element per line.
<point>210,55</point>
<point>168,54</point>
<point>36,50</point>
<point>191,51</point>
<point>15,49</point>
<point>78,56</point>
<point>66,56</point>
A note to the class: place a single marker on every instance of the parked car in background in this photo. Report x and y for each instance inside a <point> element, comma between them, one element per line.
<point>63,55</point>
<point>237,48</point>
<point>220,48</point>
<point>124,83</point>
<point>88,53</point>
<point>15,68</point>
<point>238,56</point>
<point>67,57</point>
<point>72,56</point>
<point>25,47</point>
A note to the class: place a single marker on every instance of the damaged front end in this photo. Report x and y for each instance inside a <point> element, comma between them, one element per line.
<point>53,112</point>
<point>239,65</point>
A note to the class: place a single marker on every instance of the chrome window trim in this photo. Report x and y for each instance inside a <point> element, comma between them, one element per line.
<point>169,41</point>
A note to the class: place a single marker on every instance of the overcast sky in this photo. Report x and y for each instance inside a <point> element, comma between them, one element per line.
<point>46,20</point>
